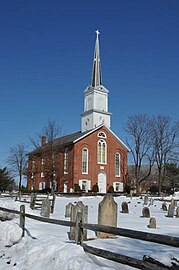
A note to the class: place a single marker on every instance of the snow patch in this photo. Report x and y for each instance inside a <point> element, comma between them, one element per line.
<point>10,233</point>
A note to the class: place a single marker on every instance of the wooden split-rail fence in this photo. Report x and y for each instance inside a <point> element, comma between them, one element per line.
<point>36,199</point>
<point>145,264</point>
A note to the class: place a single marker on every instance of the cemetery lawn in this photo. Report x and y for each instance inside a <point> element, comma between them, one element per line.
<point>47,246</point>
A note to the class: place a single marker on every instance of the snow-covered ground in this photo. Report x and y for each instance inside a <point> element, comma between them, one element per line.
<point>47,246</point>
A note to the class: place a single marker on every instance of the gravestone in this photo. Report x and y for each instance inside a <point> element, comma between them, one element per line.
<point>164,206</point>
<point>107,214</point>
<point>32,200</point>
<point>177,212</point>
<point>152,223</point>
<point>173,202</point>
<point>68,209</point>
<point>125,208</point>
<point>145,212</point>
<point>151,202</point>
<point>146,199</point>
<point>75,209</point>
<point>171,209</point>
<point>46,207</point>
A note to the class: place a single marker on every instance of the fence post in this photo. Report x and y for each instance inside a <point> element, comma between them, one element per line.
<point>22,218</point>
<point>78,231</point>
<point>53,203</point>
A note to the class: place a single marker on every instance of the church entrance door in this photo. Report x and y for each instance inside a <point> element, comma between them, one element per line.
<point>102,182</point>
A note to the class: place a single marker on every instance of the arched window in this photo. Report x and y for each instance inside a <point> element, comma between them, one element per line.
<point>117,164</point>
<point>102,151</point>
<point>66,161</point>
<point>101,134</point>
<point>85,160</point>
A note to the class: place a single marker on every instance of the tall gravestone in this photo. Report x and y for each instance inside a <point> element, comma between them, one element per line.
<point>171,209</point>
<point>46,208</point>
<point>78,208</point>
<point>32,200</point>
<point>146,199</point>
<point>107,214</point>
<point>68,210</point>
<point>125,208</point>
<point>177,212</point>
<point>151,201</point>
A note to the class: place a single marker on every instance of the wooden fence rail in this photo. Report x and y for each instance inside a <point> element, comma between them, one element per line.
<point>144,264</point>
<point>123,259</point>
<point>151,237</point>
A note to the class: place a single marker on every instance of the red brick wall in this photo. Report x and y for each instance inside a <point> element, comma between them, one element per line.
<point>75,163</point>
<point>113,146</point>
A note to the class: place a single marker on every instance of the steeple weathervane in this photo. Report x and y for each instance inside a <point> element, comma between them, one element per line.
<point>96,72</point>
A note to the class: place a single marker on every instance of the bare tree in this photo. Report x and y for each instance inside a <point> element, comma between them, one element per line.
<point>17,161</point>
<point>139,130</point>
<point>45,144</point>
<point>165,141</point>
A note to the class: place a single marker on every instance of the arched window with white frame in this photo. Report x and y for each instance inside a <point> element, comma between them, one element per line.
<point>117,164</point>
<point>101,134</point>
<point>102,152</point>
<point>85,161</point>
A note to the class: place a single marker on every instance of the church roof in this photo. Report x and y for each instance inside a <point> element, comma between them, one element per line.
<point>61,141</point>
<point>73,138</point>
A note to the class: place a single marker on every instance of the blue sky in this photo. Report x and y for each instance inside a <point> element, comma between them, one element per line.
<point>46,54</point>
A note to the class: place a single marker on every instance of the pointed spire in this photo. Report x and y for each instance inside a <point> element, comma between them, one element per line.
<point>96,72</point>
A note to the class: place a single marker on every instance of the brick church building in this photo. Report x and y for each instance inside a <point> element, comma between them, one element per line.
<point>93,155</point>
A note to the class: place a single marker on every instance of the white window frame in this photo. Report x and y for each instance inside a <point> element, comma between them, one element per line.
<point>117,173</point>
<point>41,185</point>
<point>85,171</point>
<point>88,183</point>
<point>103,153</point>
<point>121,186</point>
<point>66,153</point>
<point>102,134</point>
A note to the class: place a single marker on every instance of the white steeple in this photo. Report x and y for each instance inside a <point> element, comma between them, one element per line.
<point>96,79</point>
<point>95,96</point>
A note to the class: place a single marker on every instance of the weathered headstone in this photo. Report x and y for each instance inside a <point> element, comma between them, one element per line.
<point>145,212</point>
<point>152,223</point>
<point>125,208</point>
<point>171,209</point>
<point>32,200</point>
<point>75,209</point>
<point>53,203</point>
<point>164,206</point>
<point>46,207</point>
<point>151,201</point>
<point>146,199</point>
<point>173,202</point>
<point>107,214</point>
<point>177,212</point>
<point>68,209</point>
